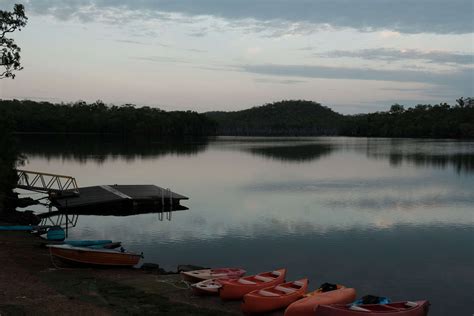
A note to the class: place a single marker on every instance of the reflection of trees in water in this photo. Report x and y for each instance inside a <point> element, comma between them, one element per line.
<point>461,162</point>
<point>293,153</point>
<point>83,148</point>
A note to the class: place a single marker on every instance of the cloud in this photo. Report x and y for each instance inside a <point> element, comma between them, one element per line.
<point>404,16</point>
<point>461,80</point>
<point>389,54</point>
<point>284,81</point>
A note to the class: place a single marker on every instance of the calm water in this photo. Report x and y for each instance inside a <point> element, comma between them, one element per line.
<point>391,217</point>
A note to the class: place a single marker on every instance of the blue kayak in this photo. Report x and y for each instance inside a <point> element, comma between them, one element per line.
<point>17,228</point>
<point>87,243</point>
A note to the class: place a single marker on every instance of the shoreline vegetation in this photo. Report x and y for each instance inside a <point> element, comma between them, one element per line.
<point>283,118</point>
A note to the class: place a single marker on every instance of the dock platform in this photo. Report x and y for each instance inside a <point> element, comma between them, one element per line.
<point>129,198</point>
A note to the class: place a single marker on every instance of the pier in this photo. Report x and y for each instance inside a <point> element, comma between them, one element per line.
<point>64,194</point>
<point>125,198</point>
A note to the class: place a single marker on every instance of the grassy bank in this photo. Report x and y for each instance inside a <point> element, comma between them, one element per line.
<point>31,284</point>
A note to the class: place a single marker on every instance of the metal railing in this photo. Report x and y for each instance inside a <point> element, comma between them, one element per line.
<point>46,182</point>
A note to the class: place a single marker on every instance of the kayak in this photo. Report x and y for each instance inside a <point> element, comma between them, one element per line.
<point>56,233</point>
<point>206,274</point>
<point>274,297</point>
<point>405,308</point>
<point>111,245</point>
<point>236,289</point>
<point>207,287</point>
<point>308,305</point>
<point>17,228</point>
<point>86,243</point>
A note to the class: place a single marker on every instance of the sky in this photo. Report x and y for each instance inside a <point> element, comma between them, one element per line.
<point>355,56</point>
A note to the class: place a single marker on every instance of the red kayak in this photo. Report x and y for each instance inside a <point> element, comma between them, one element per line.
<point>236,289</point>
<point>406,308</point>
<point>274,297</point>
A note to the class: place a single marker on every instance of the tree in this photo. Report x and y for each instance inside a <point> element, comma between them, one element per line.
<point>10,52</point>
<point>397,108</point>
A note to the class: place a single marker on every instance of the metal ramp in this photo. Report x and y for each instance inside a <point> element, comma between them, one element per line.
<point>46,182</point>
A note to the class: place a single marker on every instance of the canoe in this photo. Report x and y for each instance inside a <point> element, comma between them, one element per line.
<point>100,257</point>
<point>207,287</point>
<point>274,297</point>
<point>236,289</point>
<point>206,274</point>
<point>404,308</point>
<point>86,243</point>
<point>308,305</point>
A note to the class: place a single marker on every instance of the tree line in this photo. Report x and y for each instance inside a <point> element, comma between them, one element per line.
<point>99,118</point>
<point>307,118</point>
<point>423,120</point>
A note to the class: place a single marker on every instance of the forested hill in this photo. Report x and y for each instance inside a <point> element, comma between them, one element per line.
<point>98,118</point>
<point>284,118</point>
<point>296,117</point>
<point>292,118</point>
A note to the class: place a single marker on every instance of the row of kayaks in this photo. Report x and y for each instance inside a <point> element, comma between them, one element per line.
<point>268,291</point>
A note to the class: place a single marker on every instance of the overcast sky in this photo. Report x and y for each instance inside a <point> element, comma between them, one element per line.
<point>352,55</point>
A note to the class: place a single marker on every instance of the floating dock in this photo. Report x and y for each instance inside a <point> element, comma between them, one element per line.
<point>127,199</point>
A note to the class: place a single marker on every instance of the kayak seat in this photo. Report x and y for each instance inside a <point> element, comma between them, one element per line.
<point>298,283</point>
<point>244,281</point>
<point>263,279</point>
<point>285,289</point>
<point>276,273</point>
<point>267,293</point>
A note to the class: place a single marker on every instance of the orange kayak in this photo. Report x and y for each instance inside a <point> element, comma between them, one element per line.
<point>236,289</point>
<point>274,297</point>
<point>308,305</point>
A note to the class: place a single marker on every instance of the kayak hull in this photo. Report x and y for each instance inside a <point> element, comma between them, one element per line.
<point>97,257</point>
<point>404,308</point>
<point>307,305</point>
<point>207,274</point>
<point>274,297</point>
<point>236,289</point>
<point>207,287</point>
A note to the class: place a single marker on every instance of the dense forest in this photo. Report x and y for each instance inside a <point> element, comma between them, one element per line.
<point>284,118</point>
<point>99,118</point>
<point>301,118</point>
<point>290,118</point>
<point>437,121</point>
<point>8,160</point>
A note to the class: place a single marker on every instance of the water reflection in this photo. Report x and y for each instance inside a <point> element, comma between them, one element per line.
<point>293,153</point>
<point>86,148</point>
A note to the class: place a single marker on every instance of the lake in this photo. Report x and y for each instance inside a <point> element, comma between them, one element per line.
<point>390,217</point>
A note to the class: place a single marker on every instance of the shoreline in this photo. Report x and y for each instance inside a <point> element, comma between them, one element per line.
<point>31,283</point>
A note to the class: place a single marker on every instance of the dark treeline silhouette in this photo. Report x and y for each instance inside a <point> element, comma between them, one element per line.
<point>300,118</point>
<point>99,118</point>
<point>284,118</point>
<point>288,118</point>
<point>438,121</point>
<point>8,159</point>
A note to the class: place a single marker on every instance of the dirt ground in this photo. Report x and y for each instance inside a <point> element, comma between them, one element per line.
<point>31,284</point>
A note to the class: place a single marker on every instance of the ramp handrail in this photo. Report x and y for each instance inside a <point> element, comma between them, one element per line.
<point>47,182</point>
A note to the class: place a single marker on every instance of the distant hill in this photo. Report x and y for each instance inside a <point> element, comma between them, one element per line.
<point>289,118</point>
